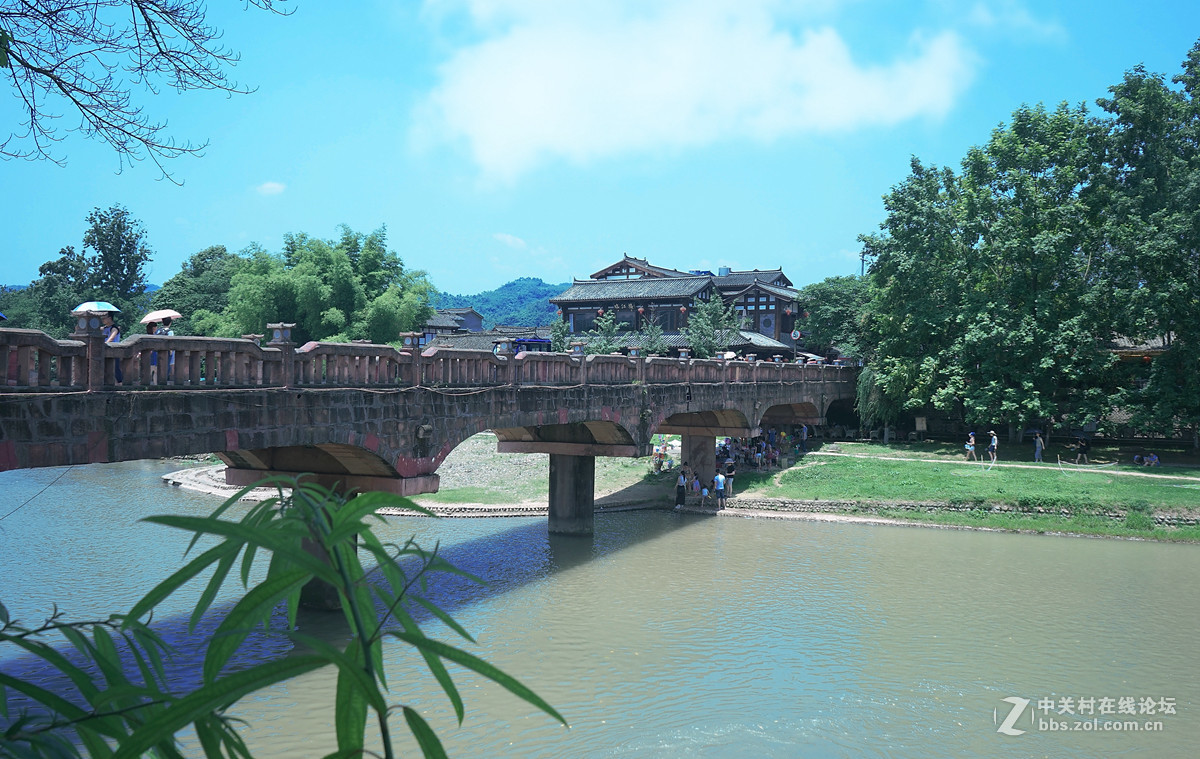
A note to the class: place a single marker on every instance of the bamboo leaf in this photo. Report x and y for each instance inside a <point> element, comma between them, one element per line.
<point>491,672</point>
<point>214,586</point>
<point>214,696</point>
<point>274,540</point>
<point>255,606</point>
<point>426,739</point>
<point>446,619</point>
<point>350,712</point>
<point>172,583</point>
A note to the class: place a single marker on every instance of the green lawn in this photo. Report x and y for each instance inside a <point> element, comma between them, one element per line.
<point>866,479</point>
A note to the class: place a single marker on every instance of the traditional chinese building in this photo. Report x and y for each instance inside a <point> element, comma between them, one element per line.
<point>637,291</point>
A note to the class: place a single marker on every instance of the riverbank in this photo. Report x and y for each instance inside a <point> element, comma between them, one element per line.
<point>845,482</point>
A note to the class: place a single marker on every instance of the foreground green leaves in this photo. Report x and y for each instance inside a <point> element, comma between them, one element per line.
<point>120,703</point>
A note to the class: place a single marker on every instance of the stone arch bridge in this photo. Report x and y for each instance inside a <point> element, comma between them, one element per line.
<point>371,417</point>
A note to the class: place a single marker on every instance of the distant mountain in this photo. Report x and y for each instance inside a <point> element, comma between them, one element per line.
<point>521,302</point>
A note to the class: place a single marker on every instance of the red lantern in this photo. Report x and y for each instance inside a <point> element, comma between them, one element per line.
<point>787,311</point>
<point>1146,359</point>
<point>559,312</point>
<point>805,314</point>
<point>600,312</point>
<point>683,309</point>
<point>641,310</point>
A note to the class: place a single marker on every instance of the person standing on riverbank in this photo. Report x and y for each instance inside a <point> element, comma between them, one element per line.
<point>804,439</point>
<point>719,488</point>
<point>1082,447</point>
<point>1039,446</point>
<point>681,487</point>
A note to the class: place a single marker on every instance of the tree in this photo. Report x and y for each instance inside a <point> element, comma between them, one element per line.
<point>88,59</point>
<point>605,337</point>
<point>116,710</point>
<point>988,300</point>
<point>708,327</point>
<point>560,335</point>
<point>1149,190</point>
<point>202,284</point>
<point>117,262</point>
<point>651,338</point>
<point>349,289</point>
<point>835,310</point>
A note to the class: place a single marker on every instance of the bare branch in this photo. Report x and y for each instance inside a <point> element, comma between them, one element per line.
<point>90,57</point>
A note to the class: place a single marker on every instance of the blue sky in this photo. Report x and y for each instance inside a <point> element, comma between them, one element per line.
<point>506,138</point>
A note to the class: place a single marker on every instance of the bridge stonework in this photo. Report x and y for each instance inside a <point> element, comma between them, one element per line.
<point>371,417</point>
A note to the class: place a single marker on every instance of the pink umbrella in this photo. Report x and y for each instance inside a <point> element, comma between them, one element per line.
<point>163,313</point>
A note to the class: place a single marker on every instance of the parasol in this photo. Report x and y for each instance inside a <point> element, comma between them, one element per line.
<point>159,315</point>
<point>95,305</point>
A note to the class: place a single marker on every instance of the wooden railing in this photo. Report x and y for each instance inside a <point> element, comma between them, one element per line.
<point>32,360</point>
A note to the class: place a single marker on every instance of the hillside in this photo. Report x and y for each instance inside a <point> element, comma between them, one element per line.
<point>522,302</point>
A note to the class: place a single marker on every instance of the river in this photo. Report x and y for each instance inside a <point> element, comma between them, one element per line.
<point>680,635</point>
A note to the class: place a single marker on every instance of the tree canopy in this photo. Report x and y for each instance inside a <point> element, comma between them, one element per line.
<point>351,288</point>
<point>997,290</point>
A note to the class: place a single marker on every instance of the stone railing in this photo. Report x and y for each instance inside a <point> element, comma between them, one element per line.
<point>32,360</point>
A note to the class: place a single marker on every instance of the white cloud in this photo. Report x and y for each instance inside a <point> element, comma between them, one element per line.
<point>511,241</point>
<point>1013,16</point>
<point>270,188</point>
<point>585,81</point>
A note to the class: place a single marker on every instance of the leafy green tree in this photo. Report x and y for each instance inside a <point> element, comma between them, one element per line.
<point>560,335</point>
<point>202,285</point>
<point>605,337</point>
<point>987,298</point>
<point>1148,193</point>
<point>709,325</point>
<point>836,309</point>
<point>650,338</point>
<point>61,285</point>
<point>113,711</point>
<point>349,289</point>
<point>118,258</point>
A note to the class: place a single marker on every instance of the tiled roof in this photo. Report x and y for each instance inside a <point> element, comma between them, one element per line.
<point>785,293</point>
<point>740,279</point>
<point>485,341</point>
<point>443,321</point>
<point>643,264</point>
<point>733,339</point>
<point>632,289</point>
<point>463,311</point>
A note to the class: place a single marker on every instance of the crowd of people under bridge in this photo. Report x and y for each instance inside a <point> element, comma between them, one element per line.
<point>760,453</point>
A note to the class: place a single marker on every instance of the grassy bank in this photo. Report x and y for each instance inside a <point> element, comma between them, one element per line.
<point>1010,498</point>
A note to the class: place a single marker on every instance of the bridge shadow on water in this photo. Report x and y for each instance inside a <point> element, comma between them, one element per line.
<point>506,559</point>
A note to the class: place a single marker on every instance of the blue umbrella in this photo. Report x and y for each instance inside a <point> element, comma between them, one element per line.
<point>95,305</point>
<point>3,317</point>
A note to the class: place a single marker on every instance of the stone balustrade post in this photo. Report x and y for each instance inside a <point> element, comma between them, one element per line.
<point>88,329</point>
<point>281,338</point>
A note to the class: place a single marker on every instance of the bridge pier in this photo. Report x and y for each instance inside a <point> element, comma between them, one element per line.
<point>572,494</point>
<point>700,453</point>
